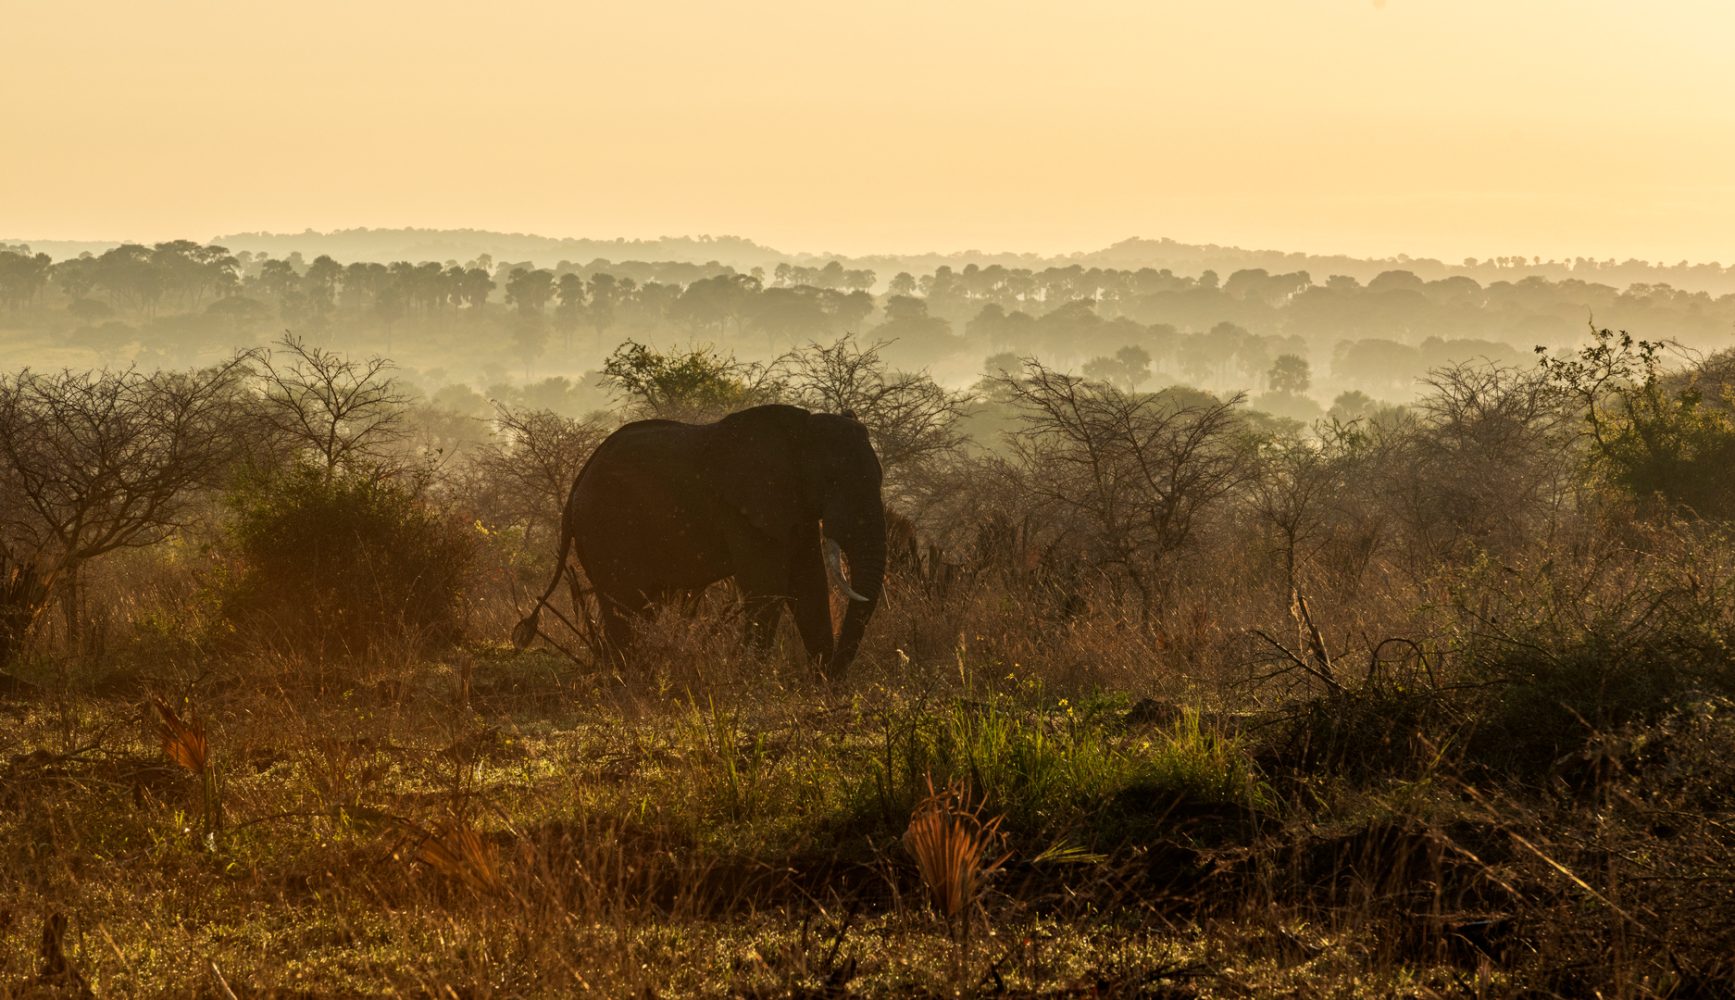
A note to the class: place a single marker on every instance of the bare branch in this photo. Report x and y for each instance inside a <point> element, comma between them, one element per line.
<point>344,413</point>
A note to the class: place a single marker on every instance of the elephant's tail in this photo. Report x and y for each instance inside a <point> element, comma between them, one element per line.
<point>525,632</point>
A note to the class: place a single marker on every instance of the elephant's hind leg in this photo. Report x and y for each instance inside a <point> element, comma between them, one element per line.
<point>619,619</point>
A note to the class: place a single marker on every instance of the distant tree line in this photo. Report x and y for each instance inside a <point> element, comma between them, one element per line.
<point>1129,255</point>
<point>1280,335</point>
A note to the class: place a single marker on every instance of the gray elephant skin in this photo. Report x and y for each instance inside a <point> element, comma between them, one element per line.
<point>767,496</point>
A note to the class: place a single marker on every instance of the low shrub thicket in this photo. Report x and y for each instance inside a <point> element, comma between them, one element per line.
<point>344,566</point>
<point>1557,651</point>
<point>1529,660</point>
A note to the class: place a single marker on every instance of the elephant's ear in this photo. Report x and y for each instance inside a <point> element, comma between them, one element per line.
<point>757,468</point>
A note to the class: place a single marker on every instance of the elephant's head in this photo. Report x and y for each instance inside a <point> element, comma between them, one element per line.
<point>852,516</point>
<point>801,467</point>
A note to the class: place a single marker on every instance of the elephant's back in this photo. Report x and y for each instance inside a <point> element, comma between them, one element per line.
<point>644,453</point>
<point>641,502</point>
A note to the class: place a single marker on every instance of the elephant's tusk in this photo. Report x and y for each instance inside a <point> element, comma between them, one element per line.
<point>834,563</point>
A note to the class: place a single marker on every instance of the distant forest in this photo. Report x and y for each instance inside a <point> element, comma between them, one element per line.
<point>1298,341</point>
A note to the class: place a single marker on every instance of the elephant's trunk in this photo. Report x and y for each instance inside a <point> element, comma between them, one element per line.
<point>862,536</point>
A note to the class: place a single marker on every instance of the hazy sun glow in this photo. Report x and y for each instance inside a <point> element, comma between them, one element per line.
<point>1469,127</point>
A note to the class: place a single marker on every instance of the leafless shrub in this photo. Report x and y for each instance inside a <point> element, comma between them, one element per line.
<point>523,477</point>
<point>1488,466</point>
<point>334,410</point>
<point>1137,470</point>
<point>1320,530</point>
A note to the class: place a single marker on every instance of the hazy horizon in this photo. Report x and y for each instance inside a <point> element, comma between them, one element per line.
<point>1476,129</point>
<point>846,251</point>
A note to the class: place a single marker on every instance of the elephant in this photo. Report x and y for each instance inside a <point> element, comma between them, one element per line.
<point>771,496</point>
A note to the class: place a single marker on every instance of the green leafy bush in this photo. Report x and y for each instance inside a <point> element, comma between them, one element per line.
<point>344,566</point>
<point>1653,432</point>
<point>697,384</point>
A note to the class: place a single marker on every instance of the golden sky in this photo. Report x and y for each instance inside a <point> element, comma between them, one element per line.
<point>1432,127</point>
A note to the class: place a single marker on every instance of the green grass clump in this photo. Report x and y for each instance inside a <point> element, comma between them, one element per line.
<point>1203,764</point>
<point>1050,766</point>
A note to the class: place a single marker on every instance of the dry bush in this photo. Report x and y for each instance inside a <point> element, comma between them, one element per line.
<point>328,409</point>
<point>521,480</point>
<point>515,489</point>
<point>1136,471</point>
<point>1607,628</point>
<point>23,595</point>
<point>911,419</point>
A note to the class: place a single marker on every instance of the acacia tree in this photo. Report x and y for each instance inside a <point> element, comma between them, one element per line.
<point>339,544</point>
<point>1137,470</point>
<point>1129,368</point>
<point>602,294</point>
<point>530,290</point>
<point>1490,461</point>
<point>1297,482</point>
<point>1653,432</point>
<point>1289,373</point>
<point>22,278</point>
<point>1302,494</point>
<point>570,312</point>
<point>91,462</point>
<point>697,384</point>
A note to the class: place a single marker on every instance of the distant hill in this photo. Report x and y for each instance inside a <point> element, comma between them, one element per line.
<point>465,244</point>
<point>61,249</point>
<point>742,254</point>
<point>1195,258</point>
<point>745,254</point>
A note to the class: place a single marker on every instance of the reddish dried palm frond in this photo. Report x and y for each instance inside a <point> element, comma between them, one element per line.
<point>183,740</point>
<point>951,842</point>
<point>456,851</point>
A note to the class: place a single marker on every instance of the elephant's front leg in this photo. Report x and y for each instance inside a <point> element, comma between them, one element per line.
<point>810,599</point>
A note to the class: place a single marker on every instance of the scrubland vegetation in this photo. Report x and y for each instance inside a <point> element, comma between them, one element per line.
<point>1168,696</point>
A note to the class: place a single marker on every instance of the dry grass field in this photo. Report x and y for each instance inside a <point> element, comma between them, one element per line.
<point>1131,817</point>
